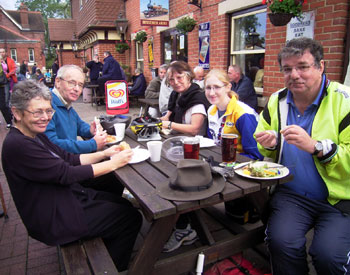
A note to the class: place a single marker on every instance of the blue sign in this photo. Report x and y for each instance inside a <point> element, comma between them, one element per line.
<point>204,45</point>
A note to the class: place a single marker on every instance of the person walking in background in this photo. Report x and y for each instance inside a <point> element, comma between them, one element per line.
<point>5,110</point>
<point>110,71</point>
<point>243,86</point>
<point>46,182</point>
<point>199,76</point>
<point>23,70</point>
<point>306,128</point>
<point>54,69</point>
<point>95,69</point>
<point>10,74</point>
<point>34,69</point>
<point>139,84</point>
<point>66,125</point>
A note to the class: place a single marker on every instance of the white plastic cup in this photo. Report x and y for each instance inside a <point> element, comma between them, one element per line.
<point>155,149</point>
<point>119,130</point>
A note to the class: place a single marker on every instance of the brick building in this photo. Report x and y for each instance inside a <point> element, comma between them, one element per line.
<point>22,34</point>
<point>234,24</point>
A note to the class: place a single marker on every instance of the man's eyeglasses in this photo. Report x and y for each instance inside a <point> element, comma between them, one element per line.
<point>71,84</point>
<point>299,69</point>
<point>40,113</point>
<point>216,88</point>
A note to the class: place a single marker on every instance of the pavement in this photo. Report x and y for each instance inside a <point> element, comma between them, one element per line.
<point>19,253</point>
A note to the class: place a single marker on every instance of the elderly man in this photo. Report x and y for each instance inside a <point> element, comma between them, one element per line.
<point>153,87</point>
<point>66,124</point>
<point>95,67</point>
<point>243,86</point>
<point>199,77</point>
<point>306,128</point>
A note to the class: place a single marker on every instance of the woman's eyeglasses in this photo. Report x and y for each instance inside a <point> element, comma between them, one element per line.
<point>40,113</point>
<point>216,88</point>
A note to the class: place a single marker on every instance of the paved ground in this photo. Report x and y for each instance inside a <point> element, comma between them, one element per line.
<point>20,254</point>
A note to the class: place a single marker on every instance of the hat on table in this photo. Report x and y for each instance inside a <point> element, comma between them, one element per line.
<point>192,180</point>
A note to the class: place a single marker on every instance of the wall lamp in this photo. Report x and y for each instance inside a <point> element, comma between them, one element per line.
<point>197,3</point>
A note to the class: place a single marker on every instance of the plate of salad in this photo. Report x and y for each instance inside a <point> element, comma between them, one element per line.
<point>261,170</point>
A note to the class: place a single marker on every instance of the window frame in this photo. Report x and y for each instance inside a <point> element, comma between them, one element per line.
<point>29,54</point>
<point>139,60</point>
<point>233,53</point>
<point>13,53</point>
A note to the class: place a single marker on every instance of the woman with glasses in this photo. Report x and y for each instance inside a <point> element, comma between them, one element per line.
<point>187,105</point>
<point>46,182</point>
<point>228,115</point>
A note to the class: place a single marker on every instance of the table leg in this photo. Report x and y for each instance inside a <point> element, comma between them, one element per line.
<point>152,246</point>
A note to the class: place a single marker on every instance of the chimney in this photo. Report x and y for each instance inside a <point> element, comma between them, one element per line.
<point>24,16</point>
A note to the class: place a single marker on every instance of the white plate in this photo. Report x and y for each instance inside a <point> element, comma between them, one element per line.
<point>205,142</point>
<point>139,155</point>
<point>283,171</point>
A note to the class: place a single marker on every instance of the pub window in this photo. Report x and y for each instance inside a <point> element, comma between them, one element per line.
<point>14,54</point>
<point>81,4</point>
<point>175,46</point>
<point>31,55</point>
<point>248,29</point>
<point>139,55</point>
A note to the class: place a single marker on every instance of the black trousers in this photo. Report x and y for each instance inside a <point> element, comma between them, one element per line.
<point>108,183</point>
<point>114,219</point>
<point>5,110</point>
<point>101,85</point>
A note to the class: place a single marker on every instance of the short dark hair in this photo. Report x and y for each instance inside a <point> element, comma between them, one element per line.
<point>107,53</point>
<point>298,46</point>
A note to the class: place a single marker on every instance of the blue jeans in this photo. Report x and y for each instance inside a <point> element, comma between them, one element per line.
<point>291,217</point>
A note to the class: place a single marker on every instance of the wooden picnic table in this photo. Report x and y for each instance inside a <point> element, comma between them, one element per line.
<point>142,178</point>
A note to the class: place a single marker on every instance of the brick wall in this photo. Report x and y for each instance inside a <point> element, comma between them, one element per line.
<point>330,30</point>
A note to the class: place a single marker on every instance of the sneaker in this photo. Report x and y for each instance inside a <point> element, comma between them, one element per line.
<point>8,126</point>
<point>180,236</point>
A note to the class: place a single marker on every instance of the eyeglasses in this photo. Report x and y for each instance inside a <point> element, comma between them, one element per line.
<point>40,113</point>
<point>299,69</point>
<point>216,88</point>
<point>71,84</point>
<point>179,78</point>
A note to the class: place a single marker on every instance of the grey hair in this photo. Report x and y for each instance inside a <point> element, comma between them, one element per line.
<point>138,71</point>
<point>180,67</point>
<point>236,68</point>
<point>198,68</point>
<point>25,91</point>
<point>163,67</point>
<point>298,46</point>
<point>64,69</point>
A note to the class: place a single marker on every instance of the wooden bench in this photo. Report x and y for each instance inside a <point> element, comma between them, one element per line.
<point>87,257</point>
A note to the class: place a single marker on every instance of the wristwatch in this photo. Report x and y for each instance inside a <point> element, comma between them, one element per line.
<point>318,148</point>
<point>169,125</point>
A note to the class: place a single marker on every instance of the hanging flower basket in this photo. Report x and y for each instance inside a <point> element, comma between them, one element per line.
<point>122,47</point>
<point>186,24</point>
<point>141,36</point>
<point>280,19</point>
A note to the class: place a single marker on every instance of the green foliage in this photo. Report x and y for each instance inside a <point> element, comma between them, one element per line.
<point>122,47</point>
<point>186,24</point>
<point>286,6</point>
<point>141,36</point>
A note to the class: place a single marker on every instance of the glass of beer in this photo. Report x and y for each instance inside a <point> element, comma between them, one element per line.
<point>191,147</point>
<point>228,147</point>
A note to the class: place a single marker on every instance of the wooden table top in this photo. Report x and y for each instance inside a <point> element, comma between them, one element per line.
<point>141,179</point>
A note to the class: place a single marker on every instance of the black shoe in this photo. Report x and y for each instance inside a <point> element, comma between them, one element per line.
<point>1,214</point>
<point>8,126</point>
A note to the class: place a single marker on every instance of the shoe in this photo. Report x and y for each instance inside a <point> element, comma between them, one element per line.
<point>180,236</point>
<point>8,126</point>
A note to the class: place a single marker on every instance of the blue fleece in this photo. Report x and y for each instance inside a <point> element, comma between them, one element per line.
<point>64,128</point>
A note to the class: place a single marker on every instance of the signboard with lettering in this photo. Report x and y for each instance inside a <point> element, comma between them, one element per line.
<point>204,44</point>
<point>303,27</point>
<point>117,99</point>
<point>154,13</point>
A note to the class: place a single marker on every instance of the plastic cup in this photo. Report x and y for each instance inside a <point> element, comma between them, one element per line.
<point>191,147</point>
<point>228,147</point>
<point>155,149</point>
<point>119,130</point>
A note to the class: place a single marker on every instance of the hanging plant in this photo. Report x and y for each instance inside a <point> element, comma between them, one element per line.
<point>141,36</point>
<point>186,24</point>
<point>282,11</point>
<point>121,47</point>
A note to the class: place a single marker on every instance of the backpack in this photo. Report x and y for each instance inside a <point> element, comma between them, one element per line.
<point>234,265</point>
<point>3,78</point>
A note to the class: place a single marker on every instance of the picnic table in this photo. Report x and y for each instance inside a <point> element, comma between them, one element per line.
<point>94,97</point>
<point>141,180</point>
